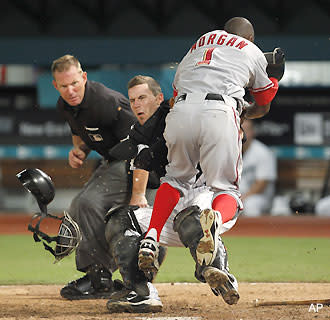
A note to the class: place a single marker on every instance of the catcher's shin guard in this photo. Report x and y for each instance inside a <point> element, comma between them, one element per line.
<point>125,252</point>
<point>218,277</point>
<point>123,236</point>
<point>188,225</point>
<point>199,230</point>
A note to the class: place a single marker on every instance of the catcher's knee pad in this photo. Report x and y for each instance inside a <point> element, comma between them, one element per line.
<point>187,224</point>
<point>119,220</point>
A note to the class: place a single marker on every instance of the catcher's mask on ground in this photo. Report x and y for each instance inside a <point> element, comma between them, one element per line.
<point>67,239</point>
<point>41,186</point>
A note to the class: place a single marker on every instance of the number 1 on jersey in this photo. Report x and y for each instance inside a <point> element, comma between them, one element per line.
<point>206,57</point>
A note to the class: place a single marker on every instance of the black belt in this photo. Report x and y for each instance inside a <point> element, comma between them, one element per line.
<point>209,96</point>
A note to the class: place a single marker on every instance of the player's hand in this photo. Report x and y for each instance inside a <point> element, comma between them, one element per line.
<point>138,199</point>
<point>76,158</point>
<point>245,106</point>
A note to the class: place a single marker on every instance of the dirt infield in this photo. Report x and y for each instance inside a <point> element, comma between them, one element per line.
<point>181,301</point>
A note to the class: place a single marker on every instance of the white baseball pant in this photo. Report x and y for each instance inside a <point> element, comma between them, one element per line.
<point>200,196</point>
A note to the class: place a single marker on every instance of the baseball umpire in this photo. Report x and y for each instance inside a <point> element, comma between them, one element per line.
<point>99,118</point>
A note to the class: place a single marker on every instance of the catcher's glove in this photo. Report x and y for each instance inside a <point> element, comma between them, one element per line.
<point>276,63</point>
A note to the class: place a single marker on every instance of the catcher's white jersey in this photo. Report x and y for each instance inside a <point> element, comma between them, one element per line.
<point>200,196</point>
<point>222,63</point>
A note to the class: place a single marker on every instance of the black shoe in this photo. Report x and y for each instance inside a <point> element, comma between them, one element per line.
<point>94,285</point>
<point>135,303</point>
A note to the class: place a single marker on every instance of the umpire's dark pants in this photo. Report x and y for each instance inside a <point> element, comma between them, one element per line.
<point>109,185</point>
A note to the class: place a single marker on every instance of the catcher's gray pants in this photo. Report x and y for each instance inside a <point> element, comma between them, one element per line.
<point>109,185</point>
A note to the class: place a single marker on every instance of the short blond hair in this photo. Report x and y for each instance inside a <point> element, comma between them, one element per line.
<point>153,85</point>
<point>64,63</point>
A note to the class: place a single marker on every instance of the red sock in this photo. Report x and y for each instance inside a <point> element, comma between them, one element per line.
<point>226,205</point>
<point>166,199</point>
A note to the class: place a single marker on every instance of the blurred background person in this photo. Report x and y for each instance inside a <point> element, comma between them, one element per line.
<point>2,194</point>
<point>259,174</point>
<point>322,207</point>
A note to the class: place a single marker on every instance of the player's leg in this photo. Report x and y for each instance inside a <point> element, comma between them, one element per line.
<point>166,199</point>
<point>181,172</point>
<point>190,229</point>
<point>168,237</point>
<point>107,186</point>
<point>219,279</point>
<point>225,207</point>
<point>220,159</point>
<point>187,224</point>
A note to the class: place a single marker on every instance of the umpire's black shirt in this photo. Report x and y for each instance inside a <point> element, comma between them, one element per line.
<point>103,118</point>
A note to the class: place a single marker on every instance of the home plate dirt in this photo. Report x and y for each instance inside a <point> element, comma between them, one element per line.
<point>181,302</point>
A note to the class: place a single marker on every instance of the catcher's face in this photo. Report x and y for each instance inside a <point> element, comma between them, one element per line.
<point>71,85</point>
<point>143,102</point>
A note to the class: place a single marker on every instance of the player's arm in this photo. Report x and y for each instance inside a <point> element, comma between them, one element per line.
<point>263,96</point>
<point>140,180</point>
<point>253,111</point>
<point>262,100</point>
<point>79,152</point>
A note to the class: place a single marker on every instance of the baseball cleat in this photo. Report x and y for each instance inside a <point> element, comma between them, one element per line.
<point>148,255</point>
<point>83,288</point>
<point>207,246</point>
<point>214,277</point>
<point>222,283</point>
<point>135,303</point>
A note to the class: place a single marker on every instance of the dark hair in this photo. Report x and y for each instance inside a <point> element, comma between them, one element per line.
<point>151,82</point>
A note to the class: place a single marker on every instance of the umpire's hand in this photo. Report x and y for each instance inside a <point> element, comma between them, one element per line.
<point>76,158</point>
